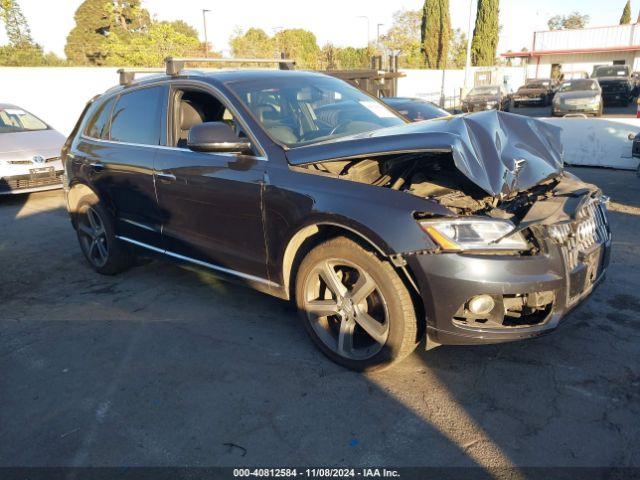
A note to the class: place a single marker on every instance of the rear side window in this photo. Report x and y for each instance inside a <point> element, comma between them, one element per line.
<point>136,117</point>
<point>98,125</point>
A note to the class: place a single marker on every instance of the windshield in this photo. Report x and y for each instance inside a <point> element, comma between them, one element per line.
<point>485,91</point>
<point>578,85</point>
<point>298,111</point>
<point>537,84</point>
<point>417,110</point>
<point>17,120</point>
<point>610,72</point>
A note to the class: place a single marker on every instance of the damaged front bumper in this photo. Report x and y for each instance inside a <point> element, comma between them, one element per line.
<point>531,294</point>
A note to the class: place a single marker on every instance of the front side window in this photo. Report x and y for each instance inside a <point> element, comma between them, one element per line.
<point>98,125</point>
<point>304,110</point>
<point>136,117</point>
<point>15,119</point>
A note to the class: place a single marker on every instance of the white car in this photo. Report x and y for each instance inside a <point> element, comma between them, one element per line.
<point>29,152</point>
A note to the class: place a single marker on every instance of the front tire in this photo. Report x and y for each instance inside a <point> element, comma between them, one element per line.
<point>355,307</point>
<point>104,252</point>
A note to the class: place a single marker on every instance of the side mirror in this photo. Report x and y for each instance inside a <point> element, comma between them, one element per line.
<point>217,137</point>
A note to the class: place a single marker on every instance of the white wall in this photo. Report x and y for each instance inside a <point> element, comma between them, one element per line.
<point>601,142</point>
<point>57,95</point>
<point>428,83</point>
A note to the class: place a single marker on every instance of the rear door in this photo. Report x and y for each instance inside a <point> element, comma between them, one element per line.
<point>121,162</point>
<point>211,203</point>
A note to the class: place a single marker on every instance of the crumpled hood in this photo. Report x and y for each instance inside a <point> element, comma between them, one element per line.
<point>502,153</point>
<point>24,145</point>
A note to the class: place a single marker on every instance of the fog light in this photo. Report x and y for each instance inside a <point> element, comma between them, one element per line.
<point>481,305</point>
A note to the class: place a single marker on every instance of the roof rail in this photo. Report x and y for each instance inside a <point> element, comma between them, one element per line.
<point>128,75</point>
<point>174,65</point>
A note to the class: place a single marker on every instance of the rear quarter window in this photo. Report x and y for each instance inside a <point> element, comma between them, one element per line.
<point>98,124</point>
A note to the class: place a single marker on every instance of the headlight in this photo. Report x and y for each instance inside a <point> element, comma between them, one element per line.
<point>474,234</point>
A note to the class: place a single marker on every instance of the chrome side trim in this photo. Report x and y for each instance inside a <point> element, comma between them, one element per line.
<point>164,147</point>
<point>140,225</point>
<point>200,262</point>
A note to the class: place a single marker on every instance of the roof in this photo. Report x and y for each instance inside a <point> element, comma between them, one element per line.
<point>8,105</point>
<point>222,76</point>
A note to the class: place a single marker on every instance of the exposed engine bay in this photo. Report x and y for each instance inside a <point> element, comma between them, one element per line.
<point>434,176</point>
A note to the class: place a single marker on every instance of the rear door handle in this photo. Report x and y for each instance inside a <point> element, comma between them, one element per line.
<point>169,177</point>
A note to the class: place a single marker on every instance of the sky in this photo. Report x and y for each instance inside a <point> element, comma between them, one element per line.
<point>334,21</point>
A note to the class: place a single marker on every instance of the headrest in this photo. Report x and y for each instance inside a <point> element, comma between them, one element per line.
<point>189,115</point>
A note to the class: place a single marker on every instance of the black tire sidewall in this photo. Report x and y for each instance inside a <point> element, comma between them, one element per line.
<point>382,275</point>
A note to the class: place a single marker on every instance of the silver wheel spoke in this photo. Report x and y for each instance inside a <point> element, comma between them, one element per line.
<point>322,308</point>
<point>345,338</point>
<point>102,249</point>
<point>330,277</point>
<point>374,329</point>
<point>364,287</point>
<point>92,247</point>
<point>88,231</point>
<point>92,219</point>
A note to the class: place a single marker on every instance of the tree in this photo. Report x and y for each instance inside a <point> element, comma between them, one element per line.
<point>485,34</point>
<point>625,19</point>
<point>299,45</point>
<point>436,33</point>
<point>150,49</point>
<point>87,43</point>
<point>347,58</point>
<point>17,28</point>
<point>21,50</point>
<point>254,43</point>
<point>404,36</point>
<point>458,50</point>
<point>573,21</point>
<point>182,27</point>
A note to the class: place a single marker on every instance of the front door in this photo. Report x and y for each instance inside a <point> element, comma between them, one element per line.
<point>211,203</point>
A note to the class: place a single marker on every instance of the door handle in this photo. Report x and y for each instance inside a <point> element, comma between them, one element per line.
<point>169,177</point>
<point>97,165</point>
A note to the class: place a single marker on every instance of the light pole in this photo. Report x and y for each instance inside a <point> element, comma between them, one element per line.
<point>368,27</point>
<point>467,66</point>
<point>378,37</point>
<point>206,40</point>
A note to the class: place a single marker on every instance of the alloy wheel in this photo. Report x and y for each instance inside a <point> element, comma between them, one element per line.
<point>346,309</point>
<point>93,237</point>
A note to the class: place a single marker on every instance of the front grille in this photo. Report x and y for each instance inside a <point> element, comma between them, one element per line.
<point>24,182</point>
<point>29,162</point>
<point>589,229</point>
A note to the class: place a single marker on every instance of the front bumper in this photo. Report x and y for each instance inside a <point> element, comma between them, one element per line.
<point>26,183</point>
<point>587,109</point>
<point>535,100</point>
<point>478,107</point>
<point>448,281</point>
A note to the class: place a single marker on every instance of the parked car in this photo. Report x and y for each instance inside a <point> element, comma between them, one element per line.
<point>415,109</point>
<point>487,98</point>
<point>574,75</point>
<point>536,91</point>
<point>616,82</point>
<point>29,152</point>
<point>635,149</point>
<point>578,97</point>
<point>465,229</point>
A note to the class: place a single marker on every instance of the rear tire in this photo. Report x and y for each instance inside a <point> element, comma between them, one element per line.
<point>355,307</point>
<point>104,252</point>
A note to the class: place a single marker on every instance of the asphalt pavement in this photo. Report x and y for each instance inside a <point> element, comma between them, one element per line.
<point>165,365</point>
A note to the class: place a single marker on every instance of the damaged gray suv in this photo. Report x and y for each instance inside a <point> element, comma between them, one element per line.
<point>465,229</point>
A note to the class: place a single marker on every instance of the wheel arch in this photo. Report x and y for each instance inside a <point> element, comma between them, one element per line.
<point>77,192</point>
<point>311,235</point>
